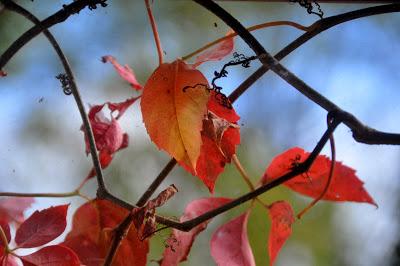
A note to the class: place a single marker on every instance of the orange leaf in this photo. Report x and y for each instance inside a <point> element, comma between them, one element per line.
<point>345,185</point>
<point>282,218</point>
<point>90,236</point>
<point>173,117</point>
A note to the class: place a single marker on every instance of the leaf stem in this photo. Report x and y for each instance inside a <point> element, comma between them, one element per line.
<point>242,172</point>
<point>3,238</point>
<point>252,28</point>
<point>155,32</point>
<point>331,171</point>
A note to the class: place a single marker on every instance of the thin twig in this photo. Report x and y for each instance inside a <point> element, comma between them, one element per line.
<point>156,183</point>
<point>74,88</point>
<point>155,32</point>
<point>242,172</point>
<point>252,28</point>
<point>328,182</point>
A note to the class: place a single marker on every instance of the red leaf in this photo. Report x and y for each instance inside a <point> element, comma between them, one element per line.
<point>3,73</point>
<point>230,245</point>
<point>124,71</point>
<point>282,218</point>
<point>179,243</point>
<point>220,136</point>
<point>345,185</point>
<point>56,255</point>
<point>217,52</point>
<point>91,235</point>
<point>42,227</point>
<point>108,134</point>
<point>12,209</point>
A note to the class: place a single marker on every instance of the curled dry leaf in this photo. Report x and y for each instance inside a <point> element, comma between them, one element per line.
<point>217,52</point>
<point>146,228</point>
<point>56,255</point>
<point>12,209</point>
<point>91,233</point>
<point>282,218</point>
<point>173,116</point>
<point>345,185</point>
<point>179,244</point>
<point>42,227</point>
<point>230,245</point>
<point>124,71</point>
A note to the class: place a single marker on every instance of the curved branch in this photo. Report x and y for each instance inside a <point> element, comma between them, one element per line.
<point>361,132</point>
<point>60,16</point>
<point>74,88</point>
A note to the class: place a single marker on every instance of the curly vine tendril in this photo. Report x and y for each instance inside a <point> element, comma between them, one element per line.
<point>65,83</point>
<point>309,6</point>
<point>239,59</point>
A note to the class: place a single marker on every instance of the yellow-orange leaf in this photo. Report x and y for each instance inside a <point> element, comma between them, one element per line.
<point>173,116</point>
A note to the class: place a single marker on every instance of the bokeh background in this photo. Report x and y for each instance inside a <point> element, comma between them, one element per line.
<point>355,64</point>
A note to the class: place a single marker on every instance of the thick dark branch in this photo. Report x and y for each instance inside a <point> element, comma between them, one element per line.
<point>60,16</point>
<point>316,28</point>
<point>75,91</point>
<point>361,133</point>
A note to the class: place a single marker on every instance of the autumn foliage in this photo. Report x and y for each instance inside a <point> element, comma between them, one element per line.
<point>190,119</point>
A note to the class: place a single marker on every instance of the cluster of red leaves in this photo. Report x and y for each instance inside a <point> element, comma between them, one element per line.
<point>92,231</point>
<point>107,132</point>
<point>39,229</point>
<point>229,244</point>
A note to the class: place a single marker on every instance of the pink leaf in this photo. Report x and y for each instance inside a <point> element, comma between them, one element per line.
<point>56,255</point>
<point>7,259</point>
<point>124,71</point>
<point>282,218</point>
<point>180,242</point>
<point>42,227</point>
<point>217,52</point>
<point>122,106</point>
<point>230,245</point>
<point>12,209</point>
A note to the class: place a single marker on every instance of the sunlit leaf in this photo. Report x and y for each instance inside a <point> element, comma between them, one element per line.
<point>173,116</point>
